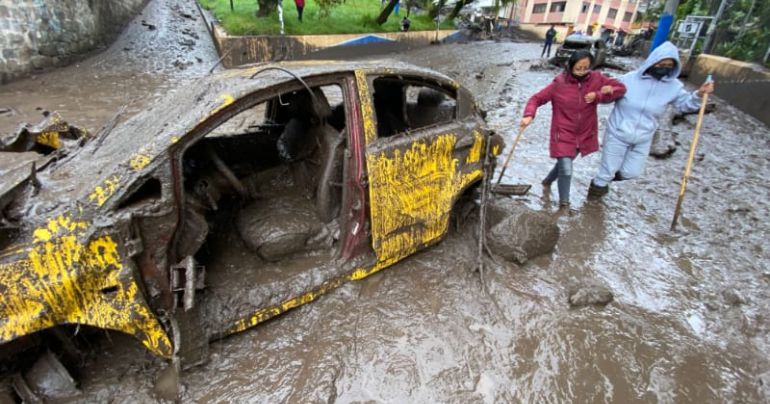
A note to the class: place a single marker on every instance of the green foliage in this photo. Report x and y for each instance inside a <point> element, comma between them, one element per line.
<point>327,5</point>
<point>348,17</point>
<point>743,31</point>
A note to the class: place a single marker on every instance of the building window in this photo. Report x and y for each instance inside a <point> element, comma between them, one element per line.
<point>612,13</point>
<point>584,9</point>
<point>558,7</point>
<point>627,16</point>
<point>597,8</point>
<point>539,8</point>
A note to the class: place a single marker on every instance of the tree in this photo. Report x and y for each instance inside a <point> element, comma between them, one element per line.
<point>385,13</point>
<point>266,6</point>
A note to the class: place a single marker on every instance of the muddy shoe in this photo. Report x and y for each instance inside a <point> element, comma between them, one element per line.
<point>617,177</point>
<point>563,205</point>
<point>596,192</point>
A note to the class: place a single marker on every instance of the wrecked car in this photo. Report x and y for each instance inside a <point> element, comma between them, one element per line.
<point>575,42</point>
<point>250,193</point>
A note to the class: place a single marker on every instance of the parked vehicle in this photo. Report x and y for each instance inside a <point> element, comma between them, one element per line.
<point>572,43</point>
<point>236,199</point>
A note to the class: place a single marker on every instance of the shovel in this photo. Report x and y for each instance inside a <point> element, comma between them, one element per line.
<point>690,157</point>
<point>510,189</point>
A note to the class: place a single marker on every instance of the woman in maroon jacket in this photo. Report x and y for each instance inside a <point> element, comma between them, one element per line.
<point>574,126</point>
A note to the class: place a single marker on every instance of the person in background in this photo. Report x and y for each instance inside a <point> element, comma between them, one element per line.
<point>300,6</point>
<point>633,120</point>
<point>549,37</point>
<point>405,23</point>
<point>574,95</point>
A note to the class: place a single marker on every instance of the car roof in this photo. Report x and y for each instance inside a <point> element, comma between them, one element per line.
<point>132,147</point>
<point>581,39</point>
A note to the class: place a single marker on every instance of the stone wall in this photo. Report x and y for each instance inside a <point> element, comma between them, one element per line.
<point>35,34</point>
<point>744,85</point>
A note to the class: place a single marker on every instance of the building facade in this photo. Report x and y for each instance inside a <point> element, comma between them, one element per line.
<point>589,16</point>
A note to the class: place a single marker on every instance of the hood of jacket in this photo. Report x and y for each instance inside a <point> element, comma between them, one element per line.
<point>666,50</point>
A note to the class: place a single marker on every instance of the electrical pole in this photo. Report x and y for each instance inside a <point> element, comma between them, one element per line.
<point>713,28</point>
<point>664,24</point>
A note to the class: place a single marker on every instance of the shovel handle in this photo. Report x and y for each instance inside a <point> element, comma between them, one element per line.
<point>690,157</point>
<point>510,154</point>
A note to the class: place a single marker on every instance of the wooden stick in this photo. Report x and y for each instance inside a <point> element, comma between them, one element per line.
<point>690,157</point>
<point>510,154</point>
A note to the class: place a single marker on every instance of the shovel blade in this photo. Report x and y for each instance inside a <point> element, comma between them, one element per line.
<point>511,189</point>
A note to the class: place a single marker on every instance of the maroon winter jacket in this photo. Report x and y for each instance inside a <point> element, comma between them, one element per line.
<point>574,126</point>
<point>299,3</point>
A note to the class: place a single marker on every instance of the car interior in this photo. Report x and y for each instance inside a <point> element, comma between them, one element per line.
<point>263,194</point>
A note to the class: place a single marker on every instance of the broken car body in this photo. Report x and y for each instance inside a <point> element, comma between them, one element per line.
<point>234,200</point>
<point>572,43</point>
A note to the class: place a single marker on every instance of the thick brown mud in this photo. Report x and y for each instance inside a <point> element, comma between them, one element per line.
<point>689,320</point>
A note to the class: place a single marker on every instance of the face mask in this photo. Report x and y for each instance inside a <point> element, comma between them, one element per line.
<point>581,77</point>
<point>659,72</point>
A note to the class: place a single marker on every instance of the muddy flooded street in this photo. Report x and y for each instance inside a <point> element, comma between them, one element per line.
<point>689,317</point>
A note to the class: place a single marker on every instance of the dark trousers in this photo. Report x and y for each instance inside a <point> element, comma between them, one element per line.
<point>547,46</point>
<point>299,12</point>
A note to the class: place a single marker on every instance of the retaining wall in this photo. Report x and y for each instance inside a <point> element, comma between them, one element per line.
<point>43,33</point>
<point>744,85</point>
<point>240,50</point>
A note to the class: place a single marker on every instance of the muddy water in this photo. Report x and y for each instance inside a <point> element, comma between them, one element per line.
<point>689,321</point>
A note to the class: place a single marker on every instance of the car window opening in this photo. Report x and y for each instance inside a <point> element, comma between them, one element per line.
<point>405,106</point>
<point>149,191</point>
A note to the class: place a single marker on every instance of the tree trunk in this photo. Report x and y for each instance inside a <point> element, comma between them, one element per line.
<point>434,10</point>
<point>458,6</point>
<point>386,12</point>
<point>265,6</point>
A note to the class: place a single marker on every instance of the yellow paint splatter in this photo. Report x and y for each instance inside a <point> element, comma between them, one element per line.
<point>139,161</point>
<point>174,139</point>
<point>103,192</point>
<point>474,155</point>
<point>367,111</point>
<point>412,194</point>
<point>49,139</point>
<point>64,281</point>
<point>227,99</point>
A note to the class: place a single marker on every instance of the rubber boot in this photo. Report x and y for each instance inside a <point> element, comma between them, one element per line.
<point>596,192</point>
<point>618,177</point>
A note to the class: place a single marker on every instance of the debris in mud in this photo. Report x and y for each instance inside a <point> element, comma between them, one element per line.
<point>542,65</point>
<point>6,110</point>
<point>149,26</point>
<point>733,297</point>
<point>188,16</point>
<point>47,379</point>
<point>518,233</point>
<point>682,117</point>
<point>53,133</point>
<point>664,144</point>
<point>596,295</point>
<point>167,385</point>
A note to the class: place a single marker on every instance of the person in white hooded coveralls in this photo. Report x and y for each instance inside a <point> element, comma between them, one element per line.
<point>634,119</point>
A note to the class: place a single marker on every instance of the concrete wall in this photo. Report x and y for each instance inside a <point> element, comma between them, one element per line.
<point>240,50</point>
<point>35,34</point>
<point>744,85</point>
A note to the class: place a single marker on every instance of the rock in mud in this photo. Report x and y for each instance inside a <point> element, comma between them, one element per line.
<point>591,295</point>
<point>518,233</point>
<point>733,297</point>
<point>167,384</point>
<point>664,142</point>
